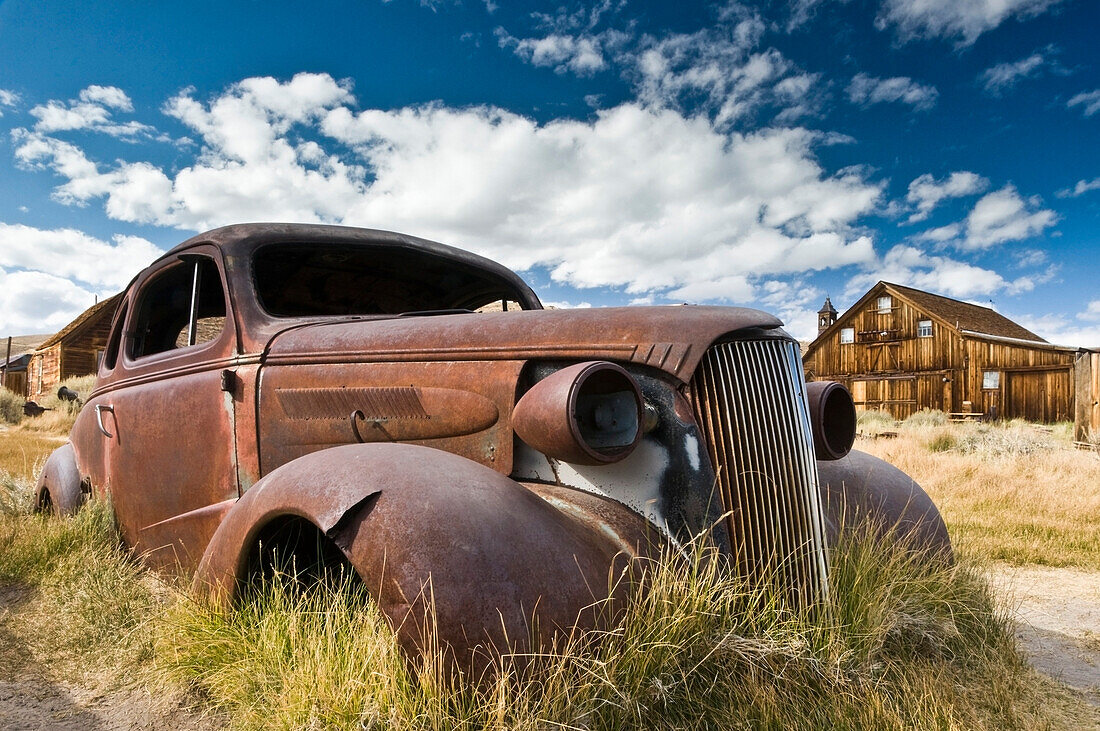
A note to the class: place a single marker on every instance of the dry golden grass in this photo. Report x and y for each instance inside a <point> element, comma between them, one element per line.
<point>22,452</point>
<point>905,645</point>
<point>1009,492</point>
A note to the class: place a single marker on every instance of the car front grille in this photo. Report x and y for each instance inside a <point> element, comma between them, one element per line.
<point>749,398</point>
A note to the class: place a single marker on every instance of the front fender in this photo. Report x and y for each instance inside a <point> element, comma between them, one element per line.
<point>426,530</point>
<point>59,487</point>
<point>860,486</point>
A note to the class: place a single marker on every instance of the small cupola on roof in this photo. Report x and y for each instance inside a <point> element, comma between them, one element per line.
<point>826,316</point>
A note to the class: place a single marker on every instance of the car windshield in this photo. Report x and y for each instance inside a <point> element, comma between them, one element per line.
<point>309,280</point>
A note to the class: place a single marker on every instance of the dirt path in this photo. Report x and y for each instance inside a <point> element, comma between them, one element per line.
<point>32,698</point>
<point>1057,613</point>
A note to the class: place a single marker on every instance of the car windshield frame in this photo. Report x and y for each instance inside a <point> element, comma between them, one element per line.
<point>322,280</point>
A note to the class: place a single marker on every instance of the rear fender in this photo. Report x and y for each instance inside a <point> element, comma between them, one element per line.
<point>859,487</point>
<point>59,488</point>
<point>495,564</point>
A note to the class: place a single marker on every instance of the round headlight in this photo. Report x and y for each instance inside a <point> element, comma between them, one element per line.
<point>832,417</point>
<point>589,413</point>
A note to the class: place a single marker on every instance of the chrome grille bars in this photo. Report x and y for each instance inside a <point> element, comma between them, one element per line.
<point>750,402</point>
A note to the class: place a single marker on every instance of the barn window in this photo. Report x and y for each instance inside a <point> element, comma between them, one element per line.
<point>924,328</point>
<point>885,304</point>
<point>991,380</point>
<point>847,335</point>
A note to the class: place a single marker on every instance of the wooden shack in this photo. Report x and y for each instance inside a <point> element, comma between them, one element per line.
<point>13,373</point>
<point>74,351</point>
<point>901,349</point>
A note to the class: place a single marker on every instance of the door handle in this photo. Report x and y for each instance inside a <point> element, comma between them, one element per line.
<point>99,409</point>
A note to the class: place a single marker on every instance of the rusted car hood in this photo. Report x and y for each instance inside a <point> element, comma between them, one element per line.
<point>671,338</point>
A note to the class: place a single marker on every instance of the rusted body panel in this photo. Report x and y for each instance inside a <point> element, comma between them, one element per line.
<point>861,487</point>
<point>463,408</point>
<point>423,528</point>
<point>672,339</point>
<point>220,411</point>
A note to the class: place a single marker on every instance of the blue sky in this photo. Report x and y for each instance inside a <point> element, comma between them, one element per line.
<point>759,154</point>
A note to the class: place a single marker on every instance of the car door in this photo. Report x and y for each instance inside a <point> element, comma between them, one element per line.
<point>171,457</point>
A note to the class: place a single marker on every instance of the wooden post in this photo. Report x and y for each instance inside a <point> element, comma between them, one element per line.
<point>7,364</point>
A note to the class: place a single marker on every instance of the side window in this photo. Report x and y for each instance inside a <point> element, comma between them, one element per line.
<point>110,356</point>
<point>847,335</point>
<point>182,306</point>
<point>991,380</point>
<point>924,328</point>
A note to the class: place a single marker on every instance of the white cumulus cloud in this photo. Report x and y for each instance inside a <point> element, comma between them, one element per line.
<point>7,99</point>
<point>65,252</point>
<point>93,110</point>
<point>1062,330</point>
<point>1003,76</point>
<point>911,266</point>
<point>925,192</point>
<point>48,277</point>
<point>1082,187</point>
<point>640,197</point>
<point>1003,216</point>
<point>867,90</point>
<point>1089,101</point>
<point>1091,312</point>
<point>960,20</point>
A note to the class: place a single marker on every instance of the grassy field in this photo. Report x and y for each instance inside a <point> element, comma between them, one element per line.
<point>1011,492</point>
<point>901,645</point>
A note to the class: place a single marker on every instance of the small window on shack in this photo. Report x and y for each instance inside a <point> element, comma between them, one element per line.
<point>924,328</point>
<point>991,380</point>
<point>885,304</point>
<point>180,307</point>
<point>847,335</point>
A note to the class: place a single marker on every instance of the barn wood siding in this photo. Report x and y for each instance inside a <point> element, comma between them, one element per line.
<point>889,367</point>
<point>1087,421</point>
<point>897,371</point>
<point>73,355</point>
<point>16,382</point>
<point>899,350</point>
<point>1035,383</point>
<point>44,372</point>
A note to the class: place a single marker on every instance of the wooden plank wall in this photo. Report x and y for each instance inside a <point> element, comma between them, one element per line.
<point>907,353</point>
<point>1035,383</point>
<point>1087,377</point>
<point>904,373</point>
<point>44,372</point>
<point>72,356</point>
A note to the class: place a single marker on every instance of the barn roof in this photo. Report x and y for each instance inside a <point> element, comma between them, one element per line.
<point>963,315</point>
<point>105,308</point>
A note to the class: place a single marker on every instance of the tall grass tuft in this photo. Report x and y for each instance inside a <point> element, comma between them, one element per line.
<point>11,406</point>
<point>901,643</point>
<point>873,422</point>
<point>926,417</point>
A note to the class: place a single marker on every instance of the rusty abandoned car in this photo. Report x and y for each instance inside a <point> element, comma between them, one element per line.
<point>334,394</point>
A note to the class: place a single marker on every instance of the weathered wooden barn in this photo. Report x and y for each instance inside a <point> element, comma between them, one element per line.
<point>74,351</point>
<point>901,350</point>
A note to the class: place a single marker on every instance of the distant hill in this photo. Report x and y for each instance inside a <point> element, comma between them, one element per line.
<point>22,344</point>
